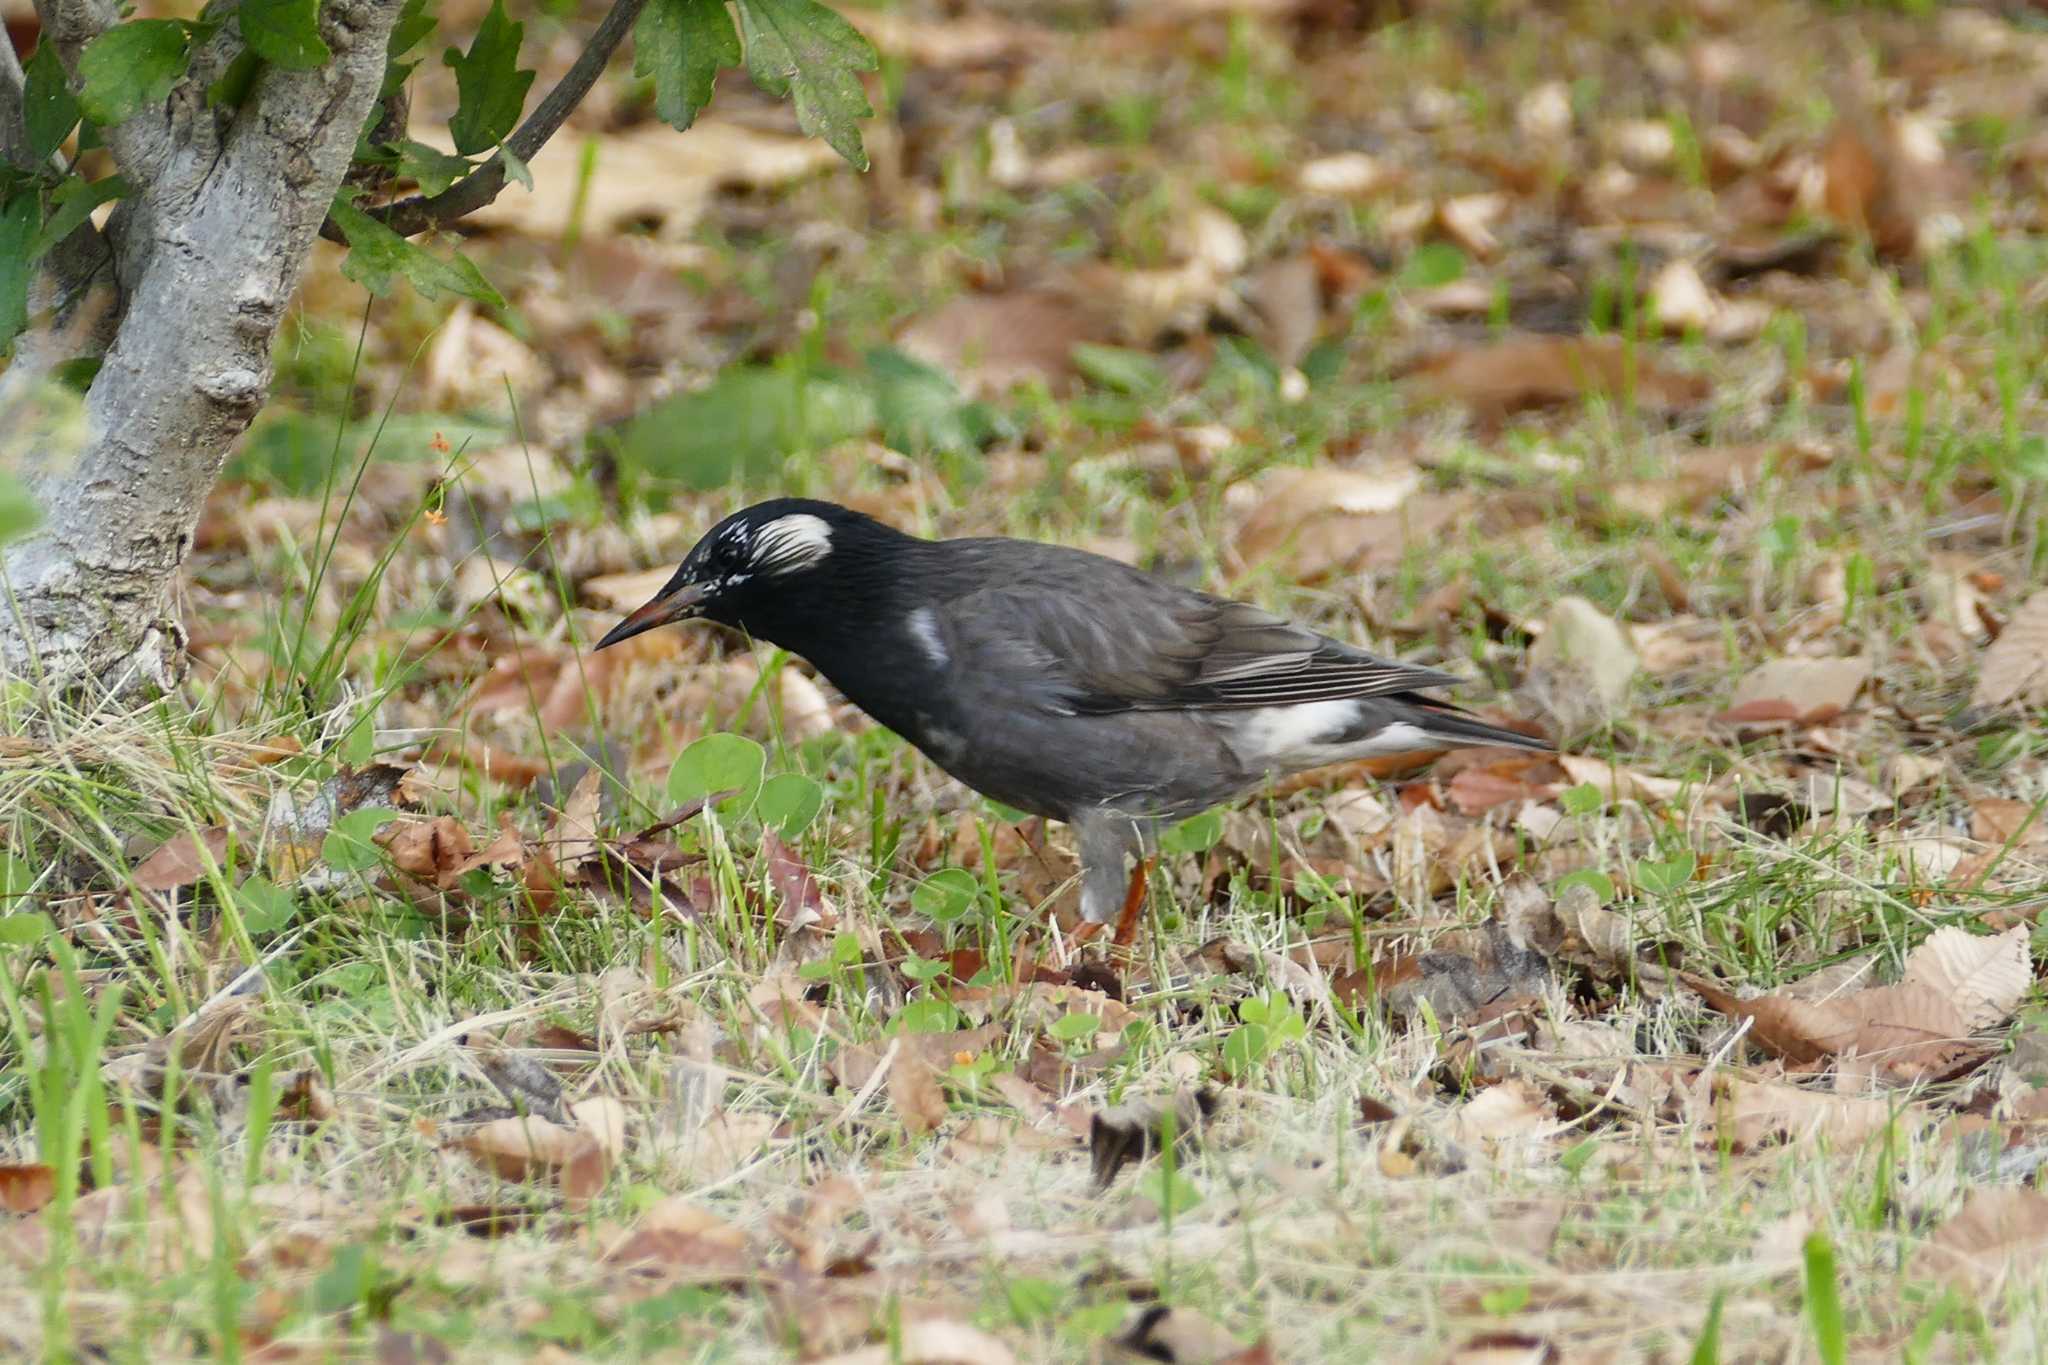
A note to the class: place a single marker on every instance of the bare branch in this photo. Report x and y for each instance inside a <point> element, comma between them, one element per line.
<point>481,186</point>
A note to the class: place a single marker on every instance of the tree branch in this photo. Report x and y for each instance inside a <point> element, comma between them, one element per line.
<point>481,186</point>
<point>139,143</point>
<point>13,106</point>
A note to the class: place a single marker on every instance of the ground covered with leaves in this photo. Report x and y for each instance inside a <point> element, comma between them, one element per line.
<point>419,984</point>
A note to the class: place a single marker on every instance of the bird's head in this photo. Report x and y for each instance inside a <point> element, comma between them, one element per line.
<point>756,567</point>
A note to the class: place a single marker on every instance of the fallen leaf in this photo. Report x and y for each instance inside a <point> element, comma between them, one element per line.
<point>1994,1230</point>
<point>1584,643</point>
<point>990,343</point>
<point>929,1341</point>
<point>1985,976</point>
<point>1617,782</point>
<point>1501,377</point>
<point>26,1188</point>
<point>532,1148</point>
<point>1812,691</point>
<point>613,184</point>
<point>182,859</point>
<point>2015,667</point>
<point>573,840</point>
<point>1751,1113</point>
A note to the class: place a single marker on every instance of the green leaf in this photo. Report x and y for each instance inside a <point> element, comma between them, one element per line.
<point>1173,1192</point>
<point>800,48</point>
<point>921,410</point>
<point>284,33</point>
<point>18,511</point>
<point>1071,1028</point>
<point>1592,878</point>
<point>946,895</point>
<point>1032,1299</point>
<point>1433,264</point>
<point>20,931</point>
<point>491,85</point>
<point>348,844</point>
<point>132,66</point>
<point>49,111</point>
<point>377,255</point>
<point>718,763</point>
<point>432,169</point>
<point>1119,368</point>
<point>1664,878</point>
<point>235,83</point>
<point>266,907</point>
<point>74,201</point>
<point>19,218</point>
<point>789,802</point>
<point>742,425</point>
<point>1584,799</point>
<point>412,28</point>
<point>1196,834</point>
<point>925,1016</point>
<point>683,44</point>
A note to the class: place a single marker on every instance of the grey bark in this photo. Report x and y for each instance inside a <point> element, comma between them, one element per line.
<point>204,254</point>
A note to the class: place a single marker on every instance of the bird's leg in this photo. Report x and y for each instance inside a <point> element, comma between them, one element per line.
<point>1134,901</point>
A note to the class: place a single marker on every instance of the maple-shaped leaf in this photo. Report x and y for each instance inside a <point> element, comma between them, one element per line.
<point>801,49</point>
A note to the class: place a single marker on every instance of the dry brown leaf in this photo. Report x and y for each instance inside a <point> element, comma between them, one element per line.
<point>1984,976</point>
<point>2015,667</point>
<point>1510,1112</point>
<point>1323,520</point>
<point>431,850</point>
<point>530,1148</point>
<point>990,343</point>
<point>1618,782</point>
<point>649,175</point>
<point>1994,1229</point>
<point>182,859</point>
<point>915,1094</point>
<point>930,1341</point>
<point>26,1188</point>
<point>1798,1030</point>
<point>1501,377</point>
<point>2000,821</point>
<point>1580,639</point>
<point>573,839</point>
<point>1813,690</point>
<point>680,1238</point>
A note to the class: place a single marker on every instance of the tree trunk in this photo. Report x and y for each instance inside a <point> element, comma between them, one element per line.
<point>206,252</point>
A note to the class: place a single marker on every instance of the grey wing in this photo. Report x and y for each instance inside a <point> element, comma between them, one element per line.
<point>1103,642</point>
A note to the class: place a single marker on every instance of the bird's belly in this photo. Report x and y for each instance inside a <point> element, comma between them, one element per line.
<point>1147,764</point>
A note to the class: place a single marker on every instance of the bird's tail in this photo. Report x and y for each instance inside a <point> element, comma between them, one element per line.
<point>1460,729</point>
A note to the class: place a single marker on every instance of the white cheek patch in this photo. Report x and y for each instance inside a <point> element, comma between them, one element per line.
<point>789,543</point>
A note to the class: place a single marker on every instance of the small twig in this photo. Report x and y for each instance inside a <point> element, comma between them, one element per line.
<point>410,216</point>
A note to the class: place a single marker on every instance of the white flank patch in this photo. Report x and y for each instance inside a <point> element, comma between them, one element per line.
<point>794,542</point>
<point>924,624</point>
<point>1277,734</point>
<point>1305,735</point>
